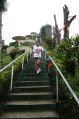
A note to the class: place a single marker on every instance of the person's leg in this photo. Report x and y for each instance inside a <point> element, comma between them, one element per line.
<point>38,65</point>
<point>35,60</point>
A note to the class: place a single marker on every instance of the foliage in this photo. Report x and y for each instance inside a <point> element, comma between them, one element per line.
<point>49,40</point>
<point>46,30</point>
<point>2,5</point>
<point>26,43</point>
<point>4,48</point>
<point>5,77</point>
<point>33,37</point>
<point>6,59</point>
<point>42,31</point>
<point>21,51</point>
<point>68,50</point>
<point>15,44</point>
<point>13,53</point>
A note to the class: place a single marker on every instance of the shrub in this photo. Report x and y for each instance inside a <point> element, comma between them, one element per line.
<point>13,54</point>
<point>49,42</point>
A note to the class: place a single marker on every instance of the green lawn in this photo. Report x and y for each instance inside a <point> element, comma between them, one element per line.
<point>6,59</point>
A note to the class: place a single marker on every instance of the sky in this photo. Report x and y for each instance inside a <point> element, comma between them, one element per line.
<point>26,16</point>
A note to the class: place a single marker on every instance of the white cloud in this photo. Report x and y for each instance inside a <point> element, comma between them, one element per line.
<point>25,16</point>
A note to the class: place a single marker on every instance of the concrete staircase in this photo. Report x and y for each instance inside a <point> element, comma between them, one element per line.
<point>32,96</point>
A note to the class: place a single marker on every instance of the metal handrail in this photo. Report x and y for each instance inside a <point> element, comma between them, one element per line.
<point>12,63</point>
<point>64,79</point>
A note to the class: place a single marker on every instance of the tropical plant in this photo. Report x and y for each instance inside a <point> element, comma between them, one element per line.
<point>66,52</point>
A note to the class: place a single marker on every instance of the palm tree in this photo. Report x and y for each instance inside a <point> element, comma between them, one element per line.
<point>3,5</point>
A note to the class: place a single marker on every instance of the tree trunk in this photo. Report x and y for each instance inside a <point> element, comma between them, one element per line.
<point>0,37</point>
<point>56,33</point>
<point>66,21</point>
<point>66,33</point>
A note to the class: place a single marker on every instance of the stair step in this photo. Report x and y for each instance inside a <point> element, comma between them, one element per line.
<point>30,104</point>
<point>34,114</point>
<point>33,68</point>
<point>31,95</point>
<point>33,74</point>
<point>31,88</point>
<point>32,63</point>
<point>33,78</point>
<point>32,83</point>
<point>33,71</point>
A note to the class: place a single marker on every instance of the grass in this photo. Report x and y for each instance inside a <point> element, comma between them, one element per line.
<point>6,59</point>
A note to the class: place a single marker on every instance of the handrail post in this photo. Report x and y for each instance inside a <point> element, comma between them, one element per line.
<point>12,76</point>
<point>57,84</point>
<point>27,56</point>
<point>22,62</point>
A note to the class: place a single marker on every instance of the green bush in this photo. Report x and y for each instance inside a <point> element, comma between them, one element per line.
<point>13,54</point>
<point>66,53</point>
<point>49,41</point>
<point>5,78</point>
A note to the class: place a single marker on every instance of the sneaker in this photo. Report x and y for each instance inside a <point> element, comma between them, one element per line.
<point>39,69</point>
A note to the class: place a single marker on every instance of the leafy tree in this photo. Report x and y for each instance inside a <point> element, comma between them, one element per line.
<point>13,44</point>
<point>42,31</point>
<point>49,42</point>
<point>66,52</point>
<point>26,43</point>
<point>4,48</point>
<point>46,30</point>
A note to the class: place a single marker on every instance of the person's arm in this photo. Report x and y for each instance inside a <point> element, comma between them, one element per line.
<point>45,51</point>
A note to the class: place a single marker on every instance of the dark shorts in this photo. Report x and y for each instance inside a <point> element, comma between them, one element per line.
<point>35,58</point>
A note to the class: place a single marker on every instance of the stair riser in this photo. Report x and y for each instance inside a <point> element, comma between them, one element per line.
<point>33,78</point>
<point>32,64</point>
<point>33,71</point>
<point>34,118</point>
<point>26,97</point>
<point>31,89</point>
<point>30,107</point>
<point>42,61</point>
<point>33,68</point>
<point>34,74</point>
<point>32,83</point>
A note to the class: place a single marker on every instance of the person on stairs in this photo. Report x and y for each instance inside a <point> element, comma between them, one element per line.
<point>36,55</point>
